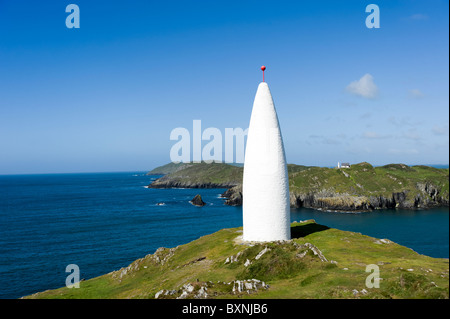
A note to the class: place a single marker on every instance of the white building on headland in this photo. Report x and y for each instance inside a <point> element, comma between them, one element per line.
<point>266,205</point>
<point>343,165</point>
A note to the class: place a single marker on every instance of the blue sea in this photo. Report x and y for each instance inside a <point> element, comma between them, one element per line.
<point>104,221</point>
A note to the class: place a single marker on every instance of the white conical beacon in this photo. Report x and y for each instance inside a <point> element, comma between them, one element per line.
<point>266,206</point>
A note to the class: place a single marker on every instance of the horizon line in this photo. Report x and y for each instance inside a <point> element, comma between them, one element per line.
<point>148,170</point>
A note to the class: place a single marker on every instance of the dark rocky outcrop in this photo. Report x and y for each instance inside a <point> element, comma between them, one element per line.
<point>233,196</point>
<point>197,201</point>
<point>381,202</point>
<point>434,198</point>
<point>159,183</point>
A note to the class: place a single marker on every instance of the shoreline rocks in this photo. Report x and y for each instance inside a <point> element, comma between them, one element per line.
<point>169,182</point>
<point>233,196</point>
<point>331,201</point>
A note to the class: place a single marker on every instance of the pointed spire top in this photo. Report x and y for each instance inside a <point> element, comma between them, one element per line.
<point>263,68</point>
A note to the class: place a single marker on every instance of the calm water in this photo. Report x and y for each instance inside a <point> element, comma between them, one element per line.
<point>103,222</point>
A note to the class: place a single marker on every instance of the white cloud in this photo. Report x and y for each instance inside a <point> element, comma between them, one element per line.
<point>327,140</point>
<point>403,121</point>
<point>365,116</point>
<point>375,136</point>
<point>411,135</point>
<point>396,151</point>
<point>364,87</point>
<point>416,94</point>
<point>440,130</point>
<point>418,16</point>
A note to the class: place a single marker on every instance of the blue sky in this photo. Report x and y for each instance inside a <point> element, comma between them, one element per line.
<point>106,96</point>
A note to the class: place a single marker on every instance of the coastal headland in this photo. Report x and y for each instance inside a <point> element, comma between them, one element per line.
<point>361,187</point>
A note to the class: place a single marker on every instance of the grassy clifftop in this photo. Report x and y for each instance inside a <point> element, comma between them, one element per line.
<point>360,187</point>
<point>365,180</point>
<point>168,168</point>
<point>368,187</point>
<point>201,175</point>
<point>319,262</point>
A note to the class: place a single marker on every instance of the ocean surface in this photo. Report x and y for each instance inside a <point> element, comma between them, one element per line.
<point>104,221</point>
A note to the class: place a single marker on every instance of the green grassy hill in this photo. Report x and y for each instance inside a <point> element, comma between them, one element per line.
<point>168,168</point>
<point>365,180</point>
<point>202,175</point>
<point>319,262</point>
<point>363,187</point>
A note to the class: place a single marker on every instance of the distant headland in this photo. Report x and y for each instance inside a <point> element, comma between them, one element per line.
<point>360,187</point>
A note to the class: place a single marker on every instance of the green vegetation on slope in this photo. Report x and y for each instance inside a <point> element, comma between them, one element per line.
<point>168,168</point>
<point>380,187</point>
<point>202,175</point>
<point>365,180</point>
<point>218,265</point>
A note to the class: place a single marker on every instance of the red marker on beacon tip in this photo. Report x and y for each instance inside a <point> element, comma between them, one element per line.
<point>263,68</point>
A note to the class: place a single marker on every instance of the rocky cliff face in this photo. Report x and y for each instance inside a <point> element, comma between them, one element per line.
<point>233,196</point>
<point>432,195</point>
<point>330,201</point>
<point>169,182</point>
<point>428,197</point>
